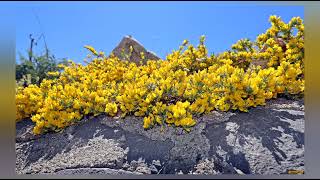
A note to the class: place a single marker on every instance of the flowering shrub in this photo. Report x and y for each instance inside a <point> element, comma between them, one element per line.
<point>172,91</point>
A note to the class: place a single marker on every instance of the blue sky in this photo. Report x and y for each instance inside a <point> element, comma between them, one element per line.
<point>159,26</point>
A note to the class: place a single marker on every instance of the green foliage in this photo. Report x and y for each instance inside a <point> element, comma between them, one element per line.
<point>34,71</point>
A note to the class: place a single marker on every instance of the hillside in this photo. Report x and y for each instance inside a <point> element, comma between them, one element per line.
<point>238,112</point>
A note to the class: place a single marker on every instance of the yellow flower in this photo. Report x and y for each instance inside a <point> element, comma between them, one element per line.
<point>147,122</point>
<point>111,109</point>
<point>188,122</point>
<point>91,49</point>
<point>76,104</point>
<point>188,82</point>
<point>53,73</point>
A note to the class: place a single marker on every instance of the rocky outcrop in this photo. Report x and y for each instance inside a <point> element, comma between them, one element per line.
<point>266,140</point>
<point>123,50</point>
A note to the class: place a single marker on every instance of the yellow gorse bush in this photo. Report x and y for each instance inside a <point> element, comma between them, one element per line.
<point>172,91</point>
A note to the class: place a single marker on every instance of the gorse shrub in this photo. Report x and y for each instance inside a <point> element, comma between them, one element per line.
<point>172,91</point>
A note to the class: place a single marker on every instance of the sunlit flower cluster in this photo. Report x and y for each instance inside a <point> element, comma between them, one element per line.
<point>188,83</point>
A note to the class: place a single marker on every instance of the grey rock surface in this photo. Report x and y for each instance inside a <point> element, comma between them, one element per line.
<point>98,152</point>
<point>205,167</point>
<point>123,49</point>
<point>266,140</point>
<point>95,171</point>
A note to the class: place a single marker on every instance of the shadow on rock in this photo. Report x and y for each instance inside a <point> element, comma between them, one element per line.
<point>261,133</point>
<point>47,146</point>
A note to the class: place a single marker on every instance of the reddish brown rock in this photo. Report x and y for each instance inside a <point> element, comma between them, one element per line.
<point>122,51</point>
<point>264,62</point>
